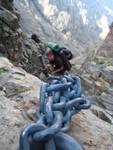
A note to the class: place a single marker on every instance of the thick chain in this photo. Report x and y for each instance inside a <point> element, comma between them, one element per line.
<point>60,99</point>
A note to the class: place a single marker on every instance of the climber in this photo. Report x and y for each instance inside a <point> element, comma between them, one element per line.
<point>57,59</point>
<point>39,43</point>
<point>35,38</point>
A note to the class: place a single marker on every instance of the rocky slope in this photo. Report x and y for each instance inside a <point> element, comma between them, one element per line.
<point>96,72</point>
<point>19,92</point>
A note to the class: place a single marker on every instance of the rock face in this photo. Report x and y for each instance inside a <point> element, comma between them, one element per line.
<point>97,78</point>
<point>19,92</point>
<point>106,49</point>
<point>97,73</point>
<point>10,34</point>
<point>92,132</point>
<point>14,44</point>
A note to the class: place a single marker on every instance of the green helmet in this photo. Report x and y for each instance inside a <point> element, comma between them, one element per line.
<point>53,46</point>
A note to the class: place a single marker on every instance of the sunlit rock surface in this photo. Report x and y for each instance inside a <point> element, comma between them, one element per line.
<point>19,92</point>
<point>106,48</point>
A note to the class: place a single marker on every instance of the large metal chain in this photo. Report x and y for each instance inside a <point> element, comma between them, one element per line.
<point>60,99</point>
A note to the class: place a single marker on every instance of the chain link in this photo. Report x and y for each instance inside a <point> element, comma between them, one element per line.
<point>60,99</point>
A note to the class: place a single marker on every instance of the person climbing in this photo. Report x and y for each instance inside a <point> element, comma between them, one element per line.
<point>36,38</point>
<point>40,45</point>
<point>57,58</point>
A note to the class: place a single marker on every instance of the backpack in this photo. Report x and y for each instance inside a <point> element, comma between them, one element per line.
<point>66,52</point>
<point>67,64</point>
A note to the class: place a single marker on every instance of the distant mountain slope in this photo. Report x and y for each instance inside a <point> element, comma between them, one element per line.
<point>84,20</point>
<point>75,23</point>
<point>34,21</point>
<point>106,48</point>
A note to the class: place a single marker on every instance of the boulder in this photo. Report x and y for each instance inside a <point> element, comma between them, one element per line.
<point>17,82</point>
<point>91,131</point>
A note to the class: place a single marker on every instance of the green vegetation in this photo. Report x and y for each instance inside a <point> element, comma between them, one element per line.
<point>3,70</point>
